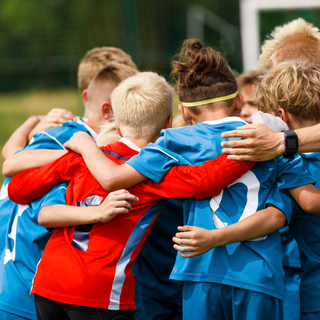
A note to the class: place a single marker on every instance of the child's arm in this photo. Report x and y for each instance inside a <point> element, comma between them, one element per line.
<point>55,118</point>
<point>19,139</point>
<point>192,241</point>
<point>115,203</point>
<point>308,198</point>
<point>34,124</point>
<point>34,183</point>
<point>28,159</point>
<point>109,175</point>
<point>200,181</point>
<point>112,176</point>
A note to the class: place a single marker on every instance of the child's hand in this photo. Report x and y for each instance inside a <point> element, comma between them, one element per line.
<point>194,241</point>
<point>115,203</point>
<point>80,142</point>
<point>55,118</point>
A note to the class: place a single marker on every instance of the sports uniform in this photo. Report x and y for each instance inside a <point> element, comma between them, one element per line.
<point>22,238</point>
<point>291,258</point>
<point>250,265</point>
<point>292,271</point>
<point>305,228</point>
<point>90,265</point>
<point>156,296</point>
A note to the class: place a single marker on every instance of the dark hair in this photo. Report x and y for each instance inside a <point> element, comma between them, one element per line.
<point>202,73</point>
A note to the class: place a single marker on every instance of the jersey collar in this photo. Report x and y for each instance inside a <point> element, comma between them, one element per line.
<point>224,120</point>
<point>130,144</point>
<point>83,122</point>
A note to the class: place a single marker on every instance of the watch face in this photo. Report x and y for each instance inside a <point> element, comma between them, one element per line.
<point>292,143</point>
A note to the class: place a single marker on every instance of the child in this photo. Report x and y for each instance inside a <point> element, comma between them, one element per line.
<point>247,276</point>
<point>22,238</point>
<point>292,91</point>
<point>247,85</point>
<point>97,258</point>
<point>297,39</point>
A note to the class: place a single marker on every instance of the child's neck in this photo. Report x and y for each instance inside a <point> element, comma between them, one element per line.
<point>141,142</point>
<point>212,115</point>
<point>294,125</point>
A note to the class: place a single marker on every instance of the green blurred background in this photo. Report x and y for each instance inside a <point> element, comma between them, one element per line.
<point>43,41</point>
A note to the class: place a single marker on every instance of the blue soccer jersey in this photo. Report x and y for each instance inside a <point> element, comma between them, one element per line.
<point>305,228</point>
<point>252,265</point>
<point>22,238</point>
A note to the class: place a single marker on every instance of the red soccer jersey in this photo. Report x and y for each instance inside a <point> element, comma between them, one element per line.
<point>90,265</point>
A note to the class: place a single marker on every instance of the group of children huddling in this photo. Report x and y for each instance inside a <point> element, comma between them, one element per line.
<point>101,205</point>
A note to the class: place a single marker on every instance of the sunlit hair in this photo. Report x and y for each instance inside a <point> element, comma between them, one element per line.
<point>297,40</point>
<point>178,121</point>
<point>202,73</point>
<point>105,80</point>
<point>108,134</point>
<point>142,104</point>
<point>98,58</point>
<point>248,78</point>
<point>293,86</point>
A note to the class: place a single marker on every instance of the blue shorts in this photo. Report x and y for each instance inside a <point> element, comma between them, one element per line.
<point>152,308</point>
<point>207,301</point>
<point>291,306</point>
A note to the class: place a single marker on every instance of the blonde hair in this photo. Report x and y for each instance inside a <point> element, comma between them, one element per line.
<point>248,78</point>
<point>108,134</point>
<point>98,58</point>
<point>297,40</point>
<point>293,86</point>
<point>142,105</point>
<point>105,81</point>
<point>178,121</point>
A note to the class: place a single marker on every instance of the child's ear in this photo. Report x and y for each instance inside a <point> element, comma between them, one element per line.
<point>185,113</point>
<point>106,110</point>
<point>84,97</point>
<point>238,103</point>
<point>118,129</point>
<point>283,114</point>
<point>168,125</point>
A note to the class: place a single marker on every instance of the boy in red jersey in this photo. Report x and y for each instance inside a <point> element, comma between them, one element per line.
<point>85,271</point>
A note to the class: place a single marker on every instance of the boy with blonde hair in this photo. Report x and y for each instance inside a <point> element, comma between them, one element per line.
<point>294,40</point>
<point>97,258</point>
<point>97,59</point>
<point>297,39</point>
<point>292,91</point>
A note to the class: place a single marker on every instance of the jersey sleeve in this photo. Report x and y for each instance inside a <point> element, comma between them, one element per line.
<point>292,173</point>
<point>200,181</point>
<point>283,201</point>
<point>155,160</point>
<point>44,140</point>
<point>55,196</point>
<point>35,183</point>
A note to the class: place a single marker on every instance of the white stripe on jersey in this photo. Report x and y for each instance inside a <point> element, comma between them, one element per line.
<point>165,153</point>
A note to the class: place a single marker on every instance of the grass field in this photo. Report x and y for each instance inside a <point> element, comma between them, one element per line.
<point>15,108</point>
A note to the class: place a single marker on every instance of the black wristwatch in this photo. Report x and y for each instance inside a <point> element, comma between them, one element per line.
<point>291,144</point>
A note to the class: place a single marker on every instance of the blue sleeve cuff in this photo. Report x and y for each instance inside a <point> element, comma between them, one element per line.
<point>283,201</point>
